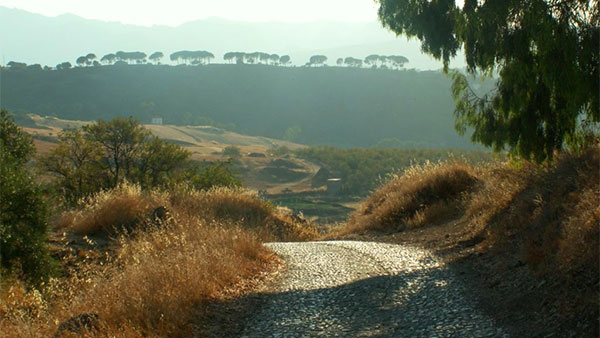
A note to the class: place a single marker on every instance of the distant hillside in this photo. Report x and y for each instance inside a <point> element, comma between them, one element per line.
<point>316,106</point>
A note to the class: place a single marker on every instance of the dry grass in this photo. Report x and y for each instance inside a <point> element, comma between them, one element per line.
<point>112,211</point>
<point>245,208</point>
<point>156,279</point>
<point>422,194</point>
<point>545,216</point>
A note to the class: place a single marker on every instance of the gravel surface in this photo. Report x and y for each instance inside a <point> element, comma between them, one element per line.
<point>366,289</point>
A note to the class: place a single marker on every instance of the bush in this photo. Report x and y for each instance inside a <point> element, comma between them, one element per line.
<point>217,174</point>
<point>421,195</point>
<point>112,211</point>
<point>232,151</point>
<point>23,211</point>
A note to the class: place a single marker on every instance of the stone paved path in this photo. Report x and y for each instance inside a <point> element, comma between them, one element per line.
<point>364,289</point>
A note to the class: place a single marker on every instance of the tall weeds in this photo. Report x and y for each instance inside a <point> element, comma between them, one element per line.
<point>155,278</point>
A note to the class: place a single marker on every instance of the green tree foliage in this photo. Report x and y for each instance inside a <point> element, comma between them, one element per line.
<point>544,51</point>
<point>128,57</point>
<point>103,154</point>
<point>16,65</point>
<point>81,61</point>
<point>108,58</point>
<point>285,60</point>
<point>64,65</point>
<point>122,141</point>
<point>232,151</point>
<point>23,211</point>
<point>192,57</point>
<point>317,60</point>
<point>161,163</point>
<point>353,62</point>
<point>208,175</point>
<point>90,57</point>
<point>77,164</point>
<point>155,57</point>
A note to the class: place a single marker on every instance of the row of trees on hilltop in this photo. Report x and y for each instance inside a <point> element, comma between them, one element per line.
<point>202,57</point>
<point>257,58</point>
<point>375,61</point>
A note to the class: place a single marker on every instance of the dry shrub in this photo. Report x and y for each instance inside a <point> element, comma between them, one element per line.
<point>158,279</point>
<point>549,218</point>
<point>164,277</point>
<point>423,194</point>
<point>112,210</point>
<point>243,207</point>
<point>551,211</point>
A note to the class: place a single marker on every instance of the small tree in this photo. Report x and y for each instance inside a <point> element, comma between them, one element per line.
<point>208,175</point>
<point>76,162</point>
<point>155,57</point>
<point>90,59</point>
<point>121,140</point>
<point>161,163</point>
<point>284,60</point>
<point>317,60</point>
<point>82,60</point>
<point>232,151</point>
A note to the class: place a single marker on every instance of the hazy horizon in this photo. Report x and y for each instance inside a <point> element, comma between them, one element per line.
<point>179,12</point>
<point>47,40</point>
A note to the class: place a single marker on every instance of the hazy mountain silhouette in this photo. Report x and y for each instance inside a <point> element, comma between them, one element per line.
<point>34,38</point>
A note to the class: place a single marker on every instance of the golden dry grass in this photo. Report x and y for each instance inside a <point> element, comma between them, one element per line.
<point>546,216</point>
<point>245,208</point>
<point>112,211</point>
<point>422,194</point>
<point>155,279</point>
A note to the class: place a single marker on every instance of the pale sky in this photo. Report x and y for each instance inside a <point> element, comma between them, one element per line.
<point>175,12</point>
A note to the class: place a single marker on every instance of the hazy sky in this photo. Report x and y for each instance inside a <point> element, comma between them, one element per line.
<point>175,12</point>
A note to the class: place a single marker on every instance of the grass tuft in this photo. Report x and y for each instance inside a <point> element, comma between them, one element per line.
<point>422,194</point>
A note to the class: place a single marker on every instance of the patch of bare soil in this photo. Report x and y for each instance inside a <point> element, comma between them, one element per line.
<point>525,304</point>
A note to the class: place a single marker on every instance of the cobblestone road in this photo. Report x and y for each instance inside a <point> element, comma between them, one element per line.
<point>364,289</point>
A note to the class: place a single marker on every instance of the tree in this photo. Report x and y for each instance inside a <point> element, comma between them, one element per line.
<point>208,175</point>
<point>23,211</point>
<point>156,56</point>
<point>544,52</point>
<point>284,60</point>
<point>121,141</point>
<point>108,58</point>
<point>372,60</point>
<point>353,62</point>
<point>161,163</point>
<point>16,65</point>
<point>90,57</point>
<point>339,61</point>
<point>232,151</point>
<point>82,60</point>
<point>64,65</point>
<point>317,60</point>
<point>76,162</point>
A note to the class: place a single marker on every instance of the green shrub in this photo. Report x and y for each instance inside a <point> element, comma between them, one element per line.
<point>23,211</point>
<point>209,175</point>
<point>232,151</point>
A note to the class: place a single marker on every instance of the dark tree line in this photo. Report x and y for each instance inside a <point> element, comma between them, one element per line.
<point>203,57</point>
<point>256,58</point>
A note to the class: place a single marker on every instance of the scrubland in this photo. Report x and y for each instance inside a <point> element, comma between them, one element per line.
<point>145,273</point>
<point>534,229</point>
